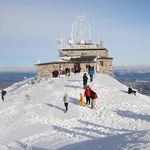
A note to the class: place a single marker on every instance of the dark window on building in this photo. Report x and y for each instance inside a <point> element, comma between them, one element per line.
<point>101,63</point>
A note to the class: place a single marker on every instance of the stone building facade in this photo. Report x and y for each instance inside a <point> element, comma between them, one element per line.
<point>97,57</point>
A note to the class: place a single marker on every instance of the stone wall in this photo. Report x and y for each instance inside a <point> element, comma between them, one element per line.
<point>96,52</point>
<point>103,63</point>
<point>45,70</point>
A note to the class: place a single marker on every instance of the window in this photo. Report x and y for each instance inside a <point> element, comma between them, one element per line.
<point>101,63</point>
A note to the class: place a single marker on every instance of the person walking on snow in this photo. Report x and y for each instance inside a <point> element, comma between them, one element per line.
<point>66,101</point>
<point>3,92</point>
<point>93,97</point>
<point>87,94</point>
<point>91,73</point>
<point>85,79</point>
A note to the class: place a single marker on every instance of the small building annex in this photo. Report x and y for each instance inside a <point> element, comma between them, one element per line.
<point>79,52</point>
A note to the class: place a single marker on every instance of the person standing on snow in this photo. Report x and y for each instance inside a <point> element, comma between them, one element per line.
<point>87,94</point>
<point>93,97</point>
<point>3,94</point>
<point>81,100</point>
<point>66,101</point>
<point>85,79</point>
<point>91,73</point>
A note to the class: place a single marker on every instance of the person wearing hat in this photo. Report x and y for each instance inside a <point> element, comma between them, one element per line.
<point>81,100</point>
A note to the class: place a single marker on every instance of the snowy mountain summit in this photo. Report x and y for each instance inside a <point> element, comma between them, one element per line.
<point>32,116</point>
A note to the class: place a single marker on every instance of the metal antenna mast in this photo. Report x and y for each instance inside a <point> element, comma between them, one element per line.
<point>81,33</point>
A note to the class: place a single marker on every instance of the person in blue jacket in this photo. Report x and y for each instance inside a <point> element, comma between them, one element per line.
<point>91,73</point>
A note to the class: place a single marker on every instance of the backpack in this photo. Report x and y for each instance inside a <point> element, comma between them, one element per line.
<point>93,95</point>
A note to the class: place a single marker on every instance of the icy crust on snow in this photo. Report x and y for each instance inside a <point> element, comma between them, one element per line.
<point>32,116</point>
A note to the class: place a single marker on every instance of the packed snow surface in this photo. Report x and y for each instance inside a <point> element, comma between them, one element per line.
<point>33,116</point>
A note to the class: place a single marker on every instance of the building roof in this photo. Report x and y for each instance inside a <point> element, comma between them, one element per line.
<point>84,49</point>
<point>76,59</point>
<point>84,59</point>
<point>79,59</point>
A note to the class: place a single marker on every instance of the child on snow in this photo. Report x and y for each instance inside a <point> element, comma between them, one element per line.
<point>81,99</point>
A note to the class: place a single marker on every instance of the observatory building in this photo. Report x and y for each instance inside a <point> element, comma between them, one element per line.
<point>79,51</point>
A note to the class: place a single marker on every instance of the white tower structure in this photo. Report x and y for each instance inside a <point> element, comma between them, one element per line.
<point>60,44</point>
<point>80,34</point>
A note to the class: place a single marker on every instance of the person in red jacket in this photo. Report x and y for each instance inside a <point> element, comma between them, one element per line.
<point>87,94</point>
<point>93,97</point>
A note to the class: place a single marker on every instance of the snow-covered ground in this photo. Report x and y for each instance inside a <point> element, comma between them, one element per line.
<point>32,116</point>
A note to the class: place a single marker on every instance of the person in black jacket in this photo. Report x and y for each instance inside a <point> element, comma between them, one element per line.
<point>131,91</point>
<point>3,92</point>
<point>85,79</point>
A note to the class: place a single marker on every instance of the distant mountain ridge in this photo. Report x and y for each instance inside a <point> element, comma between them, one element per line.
<point>132,68</point>
<point>23,69</point>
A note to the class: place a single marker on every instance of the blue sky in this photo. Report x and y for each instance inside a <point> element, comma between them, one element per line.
<point>29,29</point>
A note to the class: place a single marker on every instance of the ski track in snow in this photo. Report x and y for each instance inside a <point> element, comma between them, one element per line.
<point>36,112</point>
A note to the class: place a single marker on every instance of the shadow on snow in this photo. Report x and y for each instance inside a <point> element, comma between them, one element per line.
<point>111,139</point>
<point>135,116</point>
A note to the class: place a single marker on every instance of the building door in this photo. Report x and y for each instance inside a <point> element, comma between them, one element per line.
<point>77,67</point>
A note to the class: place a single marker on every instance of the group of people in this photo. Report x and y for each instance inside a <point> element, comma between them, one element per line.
<point>77,68</point>
<point>90,96</point>
<point>85,78</point>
